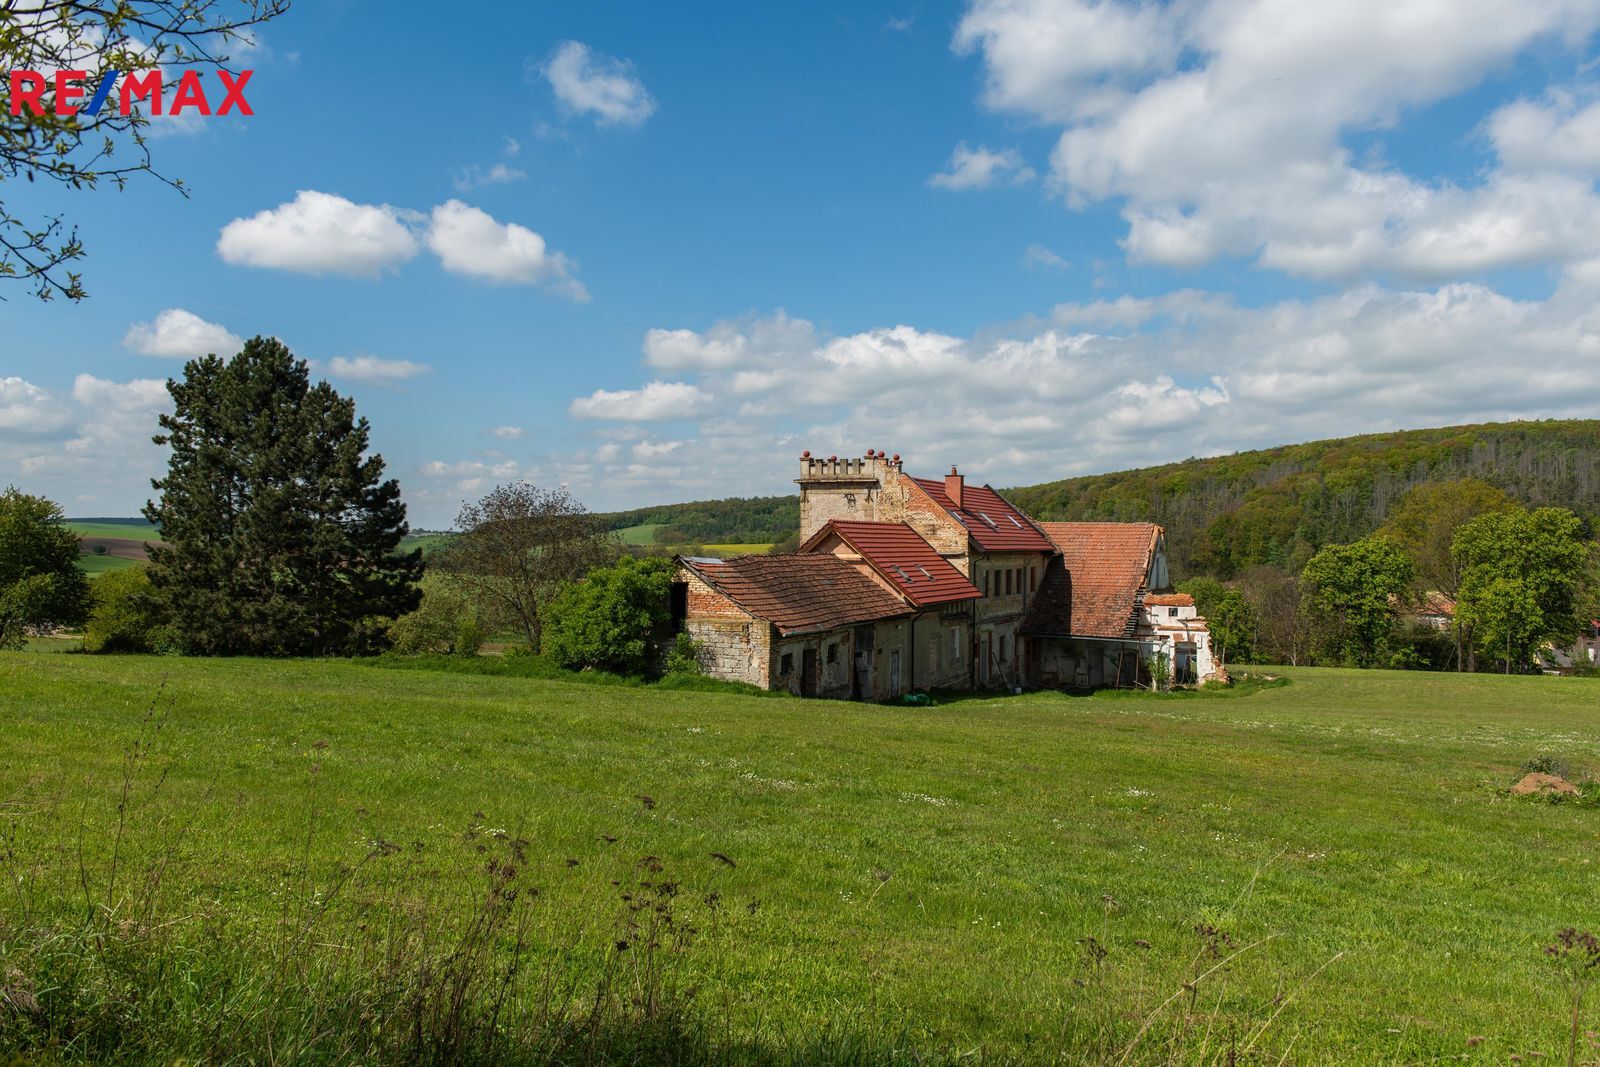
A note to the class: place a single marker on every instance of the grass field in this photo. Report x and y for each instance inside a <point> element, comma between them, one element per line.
<point>114,528</point>
<point>1014,878</point>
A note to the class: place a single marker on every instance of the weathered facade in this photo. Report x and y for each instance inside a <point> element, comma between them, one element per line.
<point>905,583</point>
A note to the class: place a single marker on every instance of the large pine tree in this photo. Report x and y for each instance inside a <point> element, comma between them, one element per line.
<point>281,533</point>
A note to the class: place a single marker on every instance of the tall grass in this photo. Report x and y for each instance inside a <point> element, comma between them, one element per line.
<point>122,941</point>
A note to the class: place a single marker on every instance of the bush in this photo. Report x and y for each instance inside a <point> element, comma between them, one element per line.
<point>613,620</point>
<point>126,616</point>
<point>684,657</point>
<point>445,622</point>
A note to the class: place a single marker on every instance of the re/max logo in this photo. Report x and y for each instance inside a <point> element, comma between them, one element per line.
<point>28,90</point>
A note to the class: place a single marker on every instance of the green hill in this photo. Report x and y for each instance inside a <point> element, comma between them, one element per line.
<point>1277,505</point>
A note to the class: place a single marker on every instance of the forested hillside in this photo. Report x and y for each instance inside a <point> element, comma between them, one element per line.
<point>1279,505</point>
<point>1227,513</point>
<point>703,522</point>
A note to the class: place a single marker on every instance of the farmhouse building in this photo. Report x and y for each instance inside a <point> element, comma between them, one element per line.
<point>904,583</point>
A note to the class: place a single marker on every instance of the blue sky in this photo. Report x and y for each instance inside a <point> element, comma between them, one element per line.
<point>653,251</point>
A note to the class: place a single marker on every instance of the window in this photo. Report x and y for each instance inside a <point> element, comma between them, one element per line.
<point>1033,579</point>
<point>1002,648</point>
<point>1172,613</point>
<point>1008,587</point>
<point>985,583</point>
<point>786,665</point>
<point>833,653</point>
<point>955,645</point>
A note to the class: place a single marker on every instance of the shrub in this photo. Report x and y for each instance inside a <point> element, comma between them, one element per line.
<point>445,622</point>
<point>126,616</point>
<point>613,620</point>
<point>684,657</point>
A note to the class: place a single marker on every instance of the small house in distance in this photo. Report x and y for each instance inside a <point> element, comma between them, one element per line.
<point>904,583</point>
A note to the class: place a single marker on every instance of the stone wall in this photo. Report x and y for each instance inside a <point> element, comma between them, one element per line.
<point>735,645</point>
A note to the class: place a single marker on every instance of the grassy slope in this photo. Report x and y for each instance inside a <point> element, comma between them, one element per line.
<point>137,529</point>
<point>1350,812</point>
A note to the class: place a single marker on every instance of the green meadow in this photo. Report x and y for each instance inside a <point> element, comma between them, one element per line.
<point>1326,868</point>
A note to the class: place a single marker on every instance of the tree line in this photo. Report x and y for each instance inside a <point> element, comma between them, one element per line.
<point>1459,576</point>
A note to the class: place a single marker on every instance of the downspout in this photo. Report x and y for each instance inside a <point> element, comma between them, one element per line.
<point>911,658</point>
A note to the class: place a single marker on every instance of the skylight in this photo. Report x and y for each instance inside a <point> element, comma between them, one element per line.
<point>985,517</point>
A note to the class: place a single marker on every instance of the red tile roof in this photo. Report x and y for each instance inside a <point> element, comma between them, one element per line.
<point>993,523</point>
<point>904,559</point>
<point>800,594</point>
<point>1107,564</point>
<point>1169,600</point>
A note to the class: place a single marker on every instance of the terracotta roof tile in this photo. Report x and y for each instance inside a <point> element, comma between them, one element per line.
<point>1107,564</point>
<point>1169,600</point>
<point>800,594</point>
<point>900,555</point>
<point>993,523</point>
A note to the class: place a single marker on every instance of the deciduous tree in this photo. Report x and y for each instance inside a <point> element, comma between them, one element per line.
<point>518,545</point>
<point>1354,591</point>
<point>282,535</point>
<point>1231,618</point>
<point>1522,575</point>
<point>41,586</point>
<point>1424,522</point>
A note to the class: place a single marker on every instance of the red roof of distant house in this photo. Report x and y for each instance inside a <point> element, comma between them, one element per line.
<point>1169,600</point>
<point>1107,565</point>
<point>800,594</point>
<point>900,555</point>
<point>993,523</point>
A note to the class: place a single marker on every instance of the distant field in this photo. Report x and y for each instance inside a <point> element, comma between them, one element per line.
<point>114,528</point>
<point>989,879</point>
<point>639,535</point>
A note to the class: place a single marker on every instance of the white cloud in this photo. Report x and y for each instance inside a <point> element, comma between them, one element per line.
<point>375,370</point>
<point>654,402</point>
<point>587,83</point>
<point>1220,127</point>
<point>1554,135</point>
<point>508,433</point>
<point>649,450</point>
<point>1040,256</point>
<point>1109,384</point>
<point>89,449</point>
<point>469,241</point>
<point>183,334</point>
<point>979,168</point>
<point>474,176</point>
<point>319,233</point>
<point>27,411</point>
<point>746,342</point>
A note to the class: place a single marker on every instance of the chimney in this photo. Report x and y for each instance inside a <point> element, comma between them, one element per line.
<point>952,486</point>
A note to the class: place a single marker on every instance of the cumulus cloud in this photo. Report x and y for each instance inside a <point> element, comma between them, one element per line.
<point>588,83</point>
<point>1101,385</point>
<point>374,370</point>
<point>470,241</point>
<point>27,411</point>
<point>1220,128</point>
<point>182,334</point>
<point>90,448</point>
<point>979,168</point>
<point>655,402</point>
<point>508,433</point>
<point>320,233</point>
